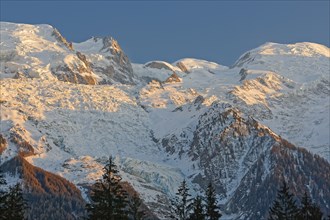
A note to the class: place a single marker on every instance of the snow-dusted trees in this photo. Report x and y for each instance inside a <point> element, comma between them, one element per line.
<point>198,209</point>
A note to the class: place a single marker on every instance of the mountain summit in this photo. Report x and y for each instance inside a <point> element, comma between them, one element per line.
<point>36,51</point>
<point>65,107</point>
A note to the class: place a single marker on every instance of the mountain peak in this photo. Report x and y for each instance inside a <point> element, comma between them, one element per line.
<point>302,49</point>
<point>307,49</point>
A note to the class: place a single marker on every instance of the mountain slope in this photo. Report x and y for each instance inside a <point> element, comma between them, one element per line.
<point>49,196</point>
<point>67,106</point>
<point>36,51</point>
<point>247,162</point>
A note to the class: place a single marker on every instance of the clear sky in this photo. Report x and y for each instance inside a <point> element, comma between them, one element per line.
<point>218,31</point>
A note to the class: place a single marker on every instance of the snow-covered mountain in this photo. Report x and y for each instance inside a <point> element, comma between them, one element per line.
<point>40,51</point>
<point>66,106</point>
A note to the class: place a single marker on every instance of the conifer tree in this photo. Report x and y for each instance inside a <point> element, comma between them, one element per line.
<point>212,210</point>
<point>181,204</point>
<point>3,193</point>
<point>308,210</point>
<point>108,198</point>
<point>135,207</point>
<point>15,204</point>
<point>198,212</point>
<point>284,207</point>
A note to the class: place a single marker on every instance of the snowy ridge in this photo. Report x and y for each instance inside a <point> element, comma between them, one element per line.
<point>35,51</point>
<point>68,106</point>
<point>192,64</point>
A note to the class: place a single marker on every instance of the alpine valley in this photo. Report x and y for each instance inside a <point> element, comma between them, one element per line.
<point>65,107</point>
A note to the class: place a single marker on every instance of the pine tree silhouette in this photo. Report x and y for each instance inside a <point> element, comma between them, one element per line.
<point>212,210</point>
<point>3,193</point>
<point>135,207</point>
<point>198,212</point>
<point>308,210</point>
<point>108,199</point>
<point>181,204</point>
<point>15,204</point>
<point>284,207</point>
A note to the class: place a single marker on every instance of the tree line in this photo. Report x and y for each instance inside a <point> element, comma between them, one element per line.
<point>285,207</point>
<point>183,207</point>
<point>110,201</point>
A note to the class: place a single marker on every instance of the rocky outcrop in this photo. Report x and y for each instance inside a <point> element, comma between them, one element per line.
<point>174,78</point>
<point>66,74</point>
<point>159,65</point>
<point>243,73</point>
<point>121,69</point>
<point>17,137</point>
<point>87,68</point>
<point>182,67</point>
<point>3,143</point>
<point>79,71</point>
<point>61,39</point>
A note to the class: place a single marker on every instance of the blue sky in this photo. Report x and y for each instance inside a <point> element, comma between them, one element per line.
<point>218,31</point>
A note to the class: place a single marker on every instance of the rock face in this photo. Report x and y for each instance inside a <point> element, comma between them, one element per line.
<point>125,74</point>
<point>78,72</point>
<point>107,60</point>
<point>159,65</point>
<point>61,39</point>
<point>244,159</point>
<point>174,78</point>
<point>182,67</point>
<point>3,143</point>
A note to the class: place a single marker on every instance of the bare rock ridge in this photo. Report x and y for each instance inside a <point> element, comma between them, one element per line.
<point>174,78</point>
<point>125,74</point>
<point>182,67</point>
<point>159,65</point>
<point>61,39</point>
